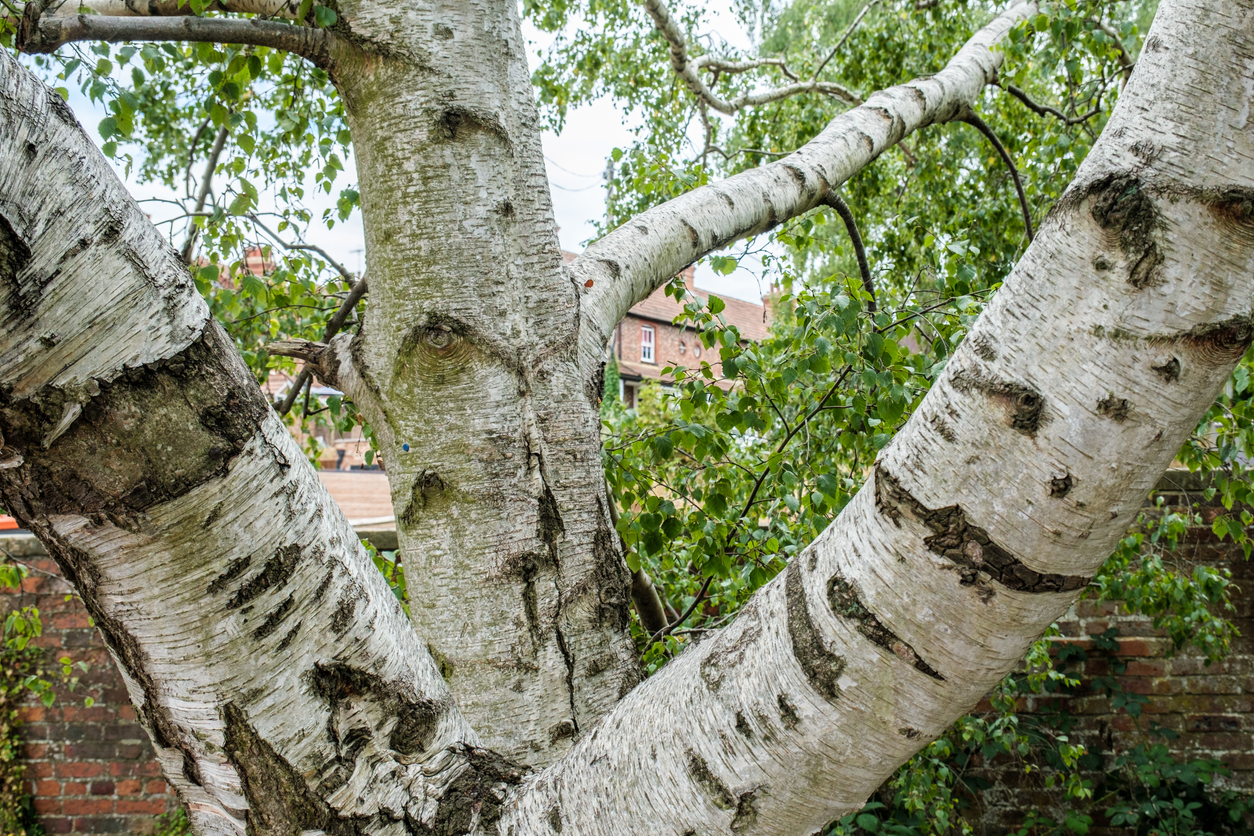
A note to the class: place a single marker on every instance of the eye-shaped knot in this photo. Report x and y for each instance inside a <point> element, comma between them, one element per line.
<point>440,337</point>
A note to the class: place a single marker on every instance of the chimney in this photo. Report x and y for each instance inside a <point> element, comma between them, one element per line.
<point>689,275</point>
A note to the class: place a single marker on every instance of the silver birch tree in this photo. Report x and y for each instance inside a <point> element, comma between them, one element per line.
<point>281,684</point>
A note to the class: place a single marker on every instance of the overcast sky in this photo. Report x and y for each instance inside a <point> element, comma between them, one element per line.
<point>576,161</point>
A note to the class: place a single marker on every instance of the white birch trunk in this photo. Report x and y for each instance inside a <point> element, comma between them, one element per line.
<point>983,518</point>
<point>269,661</point>
<point>282,687</point>
<point>467,369</point>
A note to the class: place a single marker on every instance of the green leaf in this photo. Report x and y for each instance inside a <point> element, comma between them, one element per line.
<point>716,305</point>
<point>108,127</point>
<point>325,16</point>
<point>252,285</point>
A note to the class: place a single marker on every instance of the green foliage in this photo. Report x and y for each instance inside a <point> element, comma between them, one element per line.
<point>1144,787</point>
<point>173,824</point>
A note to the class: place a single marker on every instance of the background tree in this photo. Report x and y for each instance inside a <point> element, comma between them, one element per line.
<point>297,698</point>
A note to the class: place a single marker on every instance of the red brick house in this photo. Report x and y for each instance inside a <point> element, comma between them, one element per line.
<point>648,340</point>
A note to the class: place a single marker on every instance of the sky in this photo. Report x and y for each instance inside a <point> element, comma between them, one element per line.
<point>576,161</point>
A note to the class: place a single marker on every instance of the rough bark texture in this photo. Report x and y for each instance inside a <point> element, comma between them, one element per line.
<point>274,670</point>
<point>467,369</point>
<point>1006,490</point>
<point>268,660</point>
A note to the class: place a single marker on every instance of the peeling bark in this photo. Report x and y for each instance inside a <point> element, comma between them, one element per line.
<point>275,672</point>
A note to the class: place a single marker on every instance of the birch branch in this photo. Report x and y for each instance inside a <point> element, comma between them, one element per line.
<point>631,262</point>
<point>206,549</point>
<point>994,506</point>
<point>687,69</point>
<point>46,34</point>
<point>167,8</point>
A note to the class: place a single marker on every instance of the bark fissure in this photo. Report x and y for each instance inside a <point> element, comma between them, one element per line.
<point>821,666</point>
<point>159,430</point>
<point>843,598</point>
<point>961,541</point>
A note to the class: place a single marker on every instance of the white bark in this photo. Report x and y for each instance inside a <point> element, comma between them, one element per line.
<point>273,668</point>
<point>137,447</point>
<point>1005,492</point>
<point>466,368</point>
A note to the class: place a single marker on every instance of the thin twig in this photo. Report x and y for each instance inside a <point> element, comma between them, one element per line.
<point>972,119</point>
<point>1046,110</point>
<point>191,156</point>
<point>206,181</point>
<point>834,200</point>
<point>305,377</point>
<point>848,31</point>
<point>669,628</point>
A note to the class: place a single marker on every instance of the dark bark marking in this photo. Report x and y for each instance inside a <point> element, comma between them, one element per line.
<point>616,270</point>
<point>555,819</point>
<point>280,802</point>
<point>458,124</point>
<point>324,585</point>
<point>117,457</point>
<point>746,813</point>
<point>710,783</point>
<point>477,791</point>
<point>287,640</point>
<point>787,712</point>
<point>693,236</point>
<point>1168,371</point>
<point>427,485</point>
<point>550,526</point>
<point>416,717</point>
<point>1122,207</point>
<point>611,580</point>
<point>15,255</point>
<point>1060,486</point>
<point>1024,404</point>
<point>845,602</point>
<point>983,347</point>
<point>342,619</point>
<point>563,730</point>
<point>807,189</point>
<point>1219,343</point>
<point>942,427</point>
<point>967,545</point>
<point>1145,272</point>
<point>213,516</point>
<point>731,204</point>
<point>909,733</point>
<point>596,385</point>
<point>275,618</point>
<point>821,667</point>
<point>442,32</point>
<point>233,570</point>
<point>1233,207</point>
<point>1116,409</point>
<point>726,655</point>
<point>274,573</point>
<point>742,726</point>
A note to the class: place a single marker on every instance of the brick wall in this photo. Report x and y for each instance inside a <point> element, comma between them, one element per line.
<point>91,770</point>
<point>1210,708</point>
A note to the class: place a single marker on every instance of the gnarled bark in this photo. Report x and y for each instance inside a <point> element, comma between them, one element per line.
<point>275,672</point>
<point>987,514</point>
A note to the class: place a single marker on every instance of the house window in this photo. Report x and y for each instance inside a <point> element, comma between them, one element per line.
<point>646,344</point>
